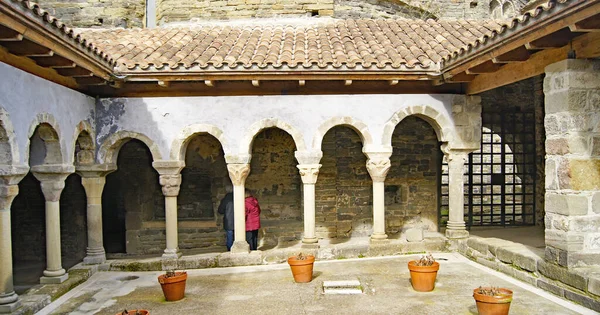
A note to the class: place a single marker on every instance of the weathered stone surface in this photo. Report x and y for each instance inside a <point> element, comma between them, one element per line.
<point>596,203</point>
<point>478,244</point>
<point>562,274</point>
<point>242,259</point>
<point>566,204</point>
<point>506,254</point>
<point>584,300</point>
<point>550,286</point>
<point>594,283</point>
<point>582,178</point>
<point>414,235</point>
<point>558,146</point>
<point>526,259</point>
<point>197,262</point>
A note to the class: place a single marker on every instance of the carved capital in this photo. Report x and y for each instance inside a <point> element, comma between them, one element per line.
<point>52,188</point>
<point>456,159</point>
<point>170,184</point>
<point>309,173</point>
<point>52,179</point>
<point>378,168</point>
<point>7,195</point>
<point>238,173</point>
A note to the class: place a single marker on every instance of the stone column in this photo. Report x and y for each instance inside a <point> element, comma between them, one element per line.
<point>93,178</point>
<point>170,180</point>
<point>238,172</point>
<point>52,178</point>
<point>9,300</point>
<point>456,201</point>
<point>572,201</point>
<point>309,174</point>
<point>378,165</point>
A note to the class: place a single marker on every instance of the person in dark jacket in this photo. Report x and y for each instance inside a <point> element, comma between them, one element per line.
<point>226,209</point>
<point>252,220</point>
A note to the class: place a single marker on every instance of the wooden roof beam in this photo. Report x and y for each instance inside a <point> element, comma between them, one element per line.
<point>461,77</point>
<point>54,61</point>
<point>557,39</point>
<point>9,35</point>
<point>591,24</point>
<point>485,67</point>
<point>74,72</point>
<point>516,55</point>
<point>27,48</point>
<point>93,80</point>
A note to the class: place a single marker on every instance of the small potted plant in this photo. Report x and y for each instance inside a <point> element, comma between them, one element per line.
<point>173,284</point>
<point>492,300</point>
<point>423,273</point>
<point>302,267</point>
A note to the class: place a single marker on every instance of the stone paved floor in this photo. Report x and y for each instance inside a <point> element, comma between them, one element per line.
<point>270,290</point>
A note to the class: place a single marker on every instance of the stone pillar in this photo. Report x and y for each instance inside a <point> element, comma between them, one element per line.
<point>309,174</point>
<point>9,300</point>
<point>572,201</point>
<point>238,172</point>
<point>170,180</point>
<point>52,178</point>
<point>378,165</point>
<point>456,189</point>
<point>93,178</point>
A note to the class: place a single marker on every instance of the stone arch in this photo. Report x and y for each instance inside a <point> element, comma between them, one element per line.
<point>9,150</point>
<point>179,146</point>
<point>441,124</point>
<point>508,9</point>
<point>46,127</point>
<point>361,129</point>
<point>495,9</point>
<point>84,145</point>
<point>246,144</point>
<point>109,149</point>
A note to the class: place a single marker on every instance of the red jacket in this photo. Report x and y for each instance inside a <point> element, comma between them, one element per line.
<point>252,214</point>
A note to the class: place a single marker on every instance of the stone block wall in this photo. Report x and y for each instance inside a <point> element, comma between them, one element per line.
<point>97,13</point>
<point>275,181</point>
<point>411,185</point>
<point>572,89</point>
<point>423,9</point>
<point>344,190</point>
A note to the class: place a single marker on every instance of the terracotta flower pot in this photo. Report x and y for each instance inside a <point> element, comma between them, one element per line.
<point>422,278</point>
<point>173,287</point>
<point>135,312</point>
<point>493,305</point>
<point>302,269</point>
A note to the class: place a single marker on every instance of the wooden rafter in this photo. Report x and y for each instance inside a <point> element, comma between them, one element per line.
<point>516,55</point>
<point>55,61</point>
<point>27,48</point>
<point>93,80</point>
<point>9,35</point>
<point>591,24</point>
<point>485,67</point>
<point>585,46</point>
<point>554,40</point>
<point>461,77</point>
<point>74,72</point>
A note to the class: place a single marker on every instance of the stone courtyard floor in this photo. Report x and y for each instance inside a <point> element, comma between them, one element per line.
<point>270,289</point>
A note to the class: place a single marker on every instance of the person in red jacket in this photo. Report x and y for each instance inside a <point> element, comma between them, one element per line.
<point>252,220</point>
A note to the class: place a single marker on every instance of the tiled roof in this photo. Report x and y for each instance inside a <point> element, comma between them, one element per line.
<point>36,12</point>
<point>508,26</point>
<point>337,44</point>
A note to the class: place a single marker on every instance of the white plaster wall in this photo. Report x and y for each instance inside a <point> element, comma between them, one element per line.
<point>24,96</point>
<point>163,119</point>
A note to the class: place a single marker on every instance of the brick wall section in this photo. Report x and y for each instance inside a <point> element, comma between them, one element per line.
<point>411,186</point>
<point>275,181</point>
<point>28,225</point>
<point>132,196</point>
<point>97,13</point>
<point>344,196</point>
<point>73,221</point>
<point>572,89</point>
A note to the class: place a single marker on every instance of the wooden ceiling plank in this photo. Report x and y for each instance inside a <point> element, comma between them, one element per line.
<point>591,24</point>
<point>55,61</point>
<point>554,40</point>
<point>27,48</point>
<point>485,67</point>
<point>585,46</point>
<point>74,72</point>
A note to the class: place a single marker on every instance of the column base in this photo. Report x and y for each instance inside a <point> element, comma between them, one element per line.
<point>10,307</point>
<point>379,241</point>
<point>8,298</point>
<point>54,280</point>
<point>54,273</point>
<point>240,247</point>
<point>377,236</point>
<point>456,234</point>
<point>310,240</point>
<point>171,254</point>
<point>94,259</point>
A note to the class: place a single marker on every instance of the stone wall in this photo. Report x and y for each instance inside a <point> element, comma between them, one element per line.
<point>97,13</point>
<point>28,225</point>
<point>275,181</point>
<point>421,9</point>
<point>411,186</point>
<point>131,199</point>
<point>344,193</point>
<point>73,221</point>
<point>572,89</point>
